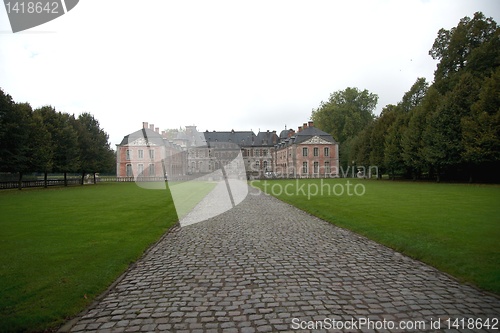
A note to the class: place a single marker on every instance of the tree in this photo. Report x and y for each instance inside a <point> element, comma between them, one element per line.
<point>17,140</point>
<point>63,140</point>
<point>481,129</point>
<point>412,140</point>
<point>95,152</point>
<point>472,44</point>
<point>393,151</point>
<point>361,147</point>
<point>40,148</point>
<point>379,133</point>
<point>393,160</point>
<point>7,141</point>
<point>346,113</point>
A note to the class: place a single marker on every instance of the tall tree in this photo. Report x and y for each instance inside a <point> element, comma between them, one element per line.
<point>472,44</point>
<point>393,153</point>
<point>7,130</point>
<point>95,152</point>
<point>344,115</point>
<point>40,148</point>
<point>379,133</point>
<point>481,129</point>
<point>63,139</point>
<point>412,140</point>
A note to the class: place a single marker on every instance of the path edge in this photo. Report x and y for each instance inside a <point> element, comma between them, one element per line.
<point>69,324</point>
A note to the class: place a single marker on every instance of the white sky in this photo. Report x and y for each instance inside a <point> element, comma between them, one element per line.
<point>222,65</point>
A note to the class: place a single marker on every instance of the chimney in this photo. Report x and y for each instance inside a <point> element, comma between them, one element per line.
<point>291,132</point>
<point>164,134</point>
<point>304,125</point>
<point>300,128</point>
<point>152,127</point>
<point>144,124</point>
<point>310,124</point>
<point>157,129</point>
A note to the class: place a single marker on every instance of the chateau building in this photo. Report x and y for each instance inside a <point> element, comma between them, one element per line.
<point>307,153</point>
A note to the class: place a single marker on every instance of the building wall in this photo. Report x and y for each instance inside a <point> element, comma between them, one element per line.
<point>140,161</point>
<point>175,160</point>
<point>316,165</point>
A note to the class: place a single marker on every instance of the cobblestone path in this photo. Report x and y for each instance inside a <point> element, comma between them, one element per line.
<point>265,266</point>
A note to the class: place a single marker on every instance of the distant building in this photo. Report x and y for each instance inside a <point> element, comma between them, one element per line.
<point>309,152</point>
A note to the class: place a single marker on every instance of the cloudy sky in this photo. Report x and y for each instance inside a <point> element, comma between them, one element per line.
<point>222,65</point>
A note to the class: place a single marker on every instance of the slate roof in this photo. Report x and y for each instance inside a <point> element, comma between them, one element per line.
<point>242,138</point>
<point>310,132</point>
<point>266,139</point>
<point>145,133</point>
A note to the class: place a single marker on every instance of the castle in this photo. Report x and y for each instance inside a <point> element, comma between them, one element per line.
<point>305,153</point>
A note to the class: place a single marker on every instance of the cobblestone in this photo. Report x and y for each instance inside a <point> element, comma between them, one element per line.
<point>260,265</point>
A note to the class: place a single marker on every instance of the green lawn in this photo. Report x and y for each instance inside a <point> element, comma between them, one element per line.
<point>61,247</point>
<point>454,227</point>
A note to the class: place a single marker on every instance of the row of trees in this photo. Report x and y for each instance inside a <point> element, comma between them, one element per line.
<point>44,140</point>
<point>450,128</point>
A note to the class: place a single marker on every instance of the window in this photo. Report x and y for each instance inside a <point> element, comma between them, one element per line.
<point>140,154</point>
<point>265,165</point>
<point>140,169</point>
<point>151,154</point>
<point>152,170</point>
<point>316,167</point>
<point>264,152</point>
<point>316,151</point>
<point>127,154</point>
<point>129,170</point>
<point>327,151</point>
<point>304,151</point>
<point>304,166</point>
<point>327,167</point>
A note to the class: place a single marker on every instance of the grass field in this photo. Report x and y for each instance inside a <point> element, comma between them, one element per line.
<point>61,247</point>
<point>454,227</point>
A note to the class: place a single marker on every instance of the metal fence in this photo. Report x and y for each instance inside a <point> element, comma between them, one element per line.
<point>74,181</point>
<point>39,183</point>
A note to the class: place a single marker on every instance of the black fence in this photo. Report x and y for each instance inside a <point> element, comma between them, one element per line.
<point>14,184</point>
<point>39,183</point>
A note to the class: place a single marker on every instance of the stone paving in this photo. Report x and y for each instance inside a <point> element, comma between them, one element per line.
<point>265,266</point>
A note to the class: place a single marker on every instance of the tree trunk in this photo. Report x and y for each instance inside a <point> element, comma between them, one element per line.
<point>94,179</point>
<point>20,181</point>
<point>83,178</point>
<point>65,179</point>
<point>45,179</point>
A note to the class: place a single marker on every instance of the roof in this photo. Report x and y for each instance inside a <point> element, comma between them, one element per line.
<point>150,136</point>
<point>266,139</point>
<point>284,133</point>
<point>310,132</point>
<point>242,138</point>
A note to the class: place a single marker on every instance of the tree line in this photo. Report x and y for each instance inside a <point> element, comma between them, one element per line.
<point>449,129</point>
<point>44,140</point>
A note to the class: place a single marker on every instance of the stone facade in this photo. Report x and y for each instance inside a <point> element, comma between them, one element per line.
<point>307,153</point>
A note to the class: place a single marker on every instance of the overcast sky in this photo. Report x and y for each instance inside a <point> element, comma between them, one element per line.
<point>222,65</point>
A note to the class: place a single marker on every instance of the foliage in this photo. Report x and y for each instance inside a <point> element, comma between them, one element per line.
<point>448,129</point>
<point>345,115</point>
<point>44,140</point>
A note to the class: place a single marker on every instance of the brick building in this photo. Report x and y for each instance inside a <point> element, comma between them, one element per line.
<point>309,152</point>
